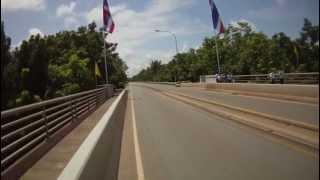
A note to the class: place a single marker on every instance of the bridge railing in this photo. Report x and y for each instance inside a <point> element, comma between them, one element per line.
<point>29,131</point>
<point>289,78</point>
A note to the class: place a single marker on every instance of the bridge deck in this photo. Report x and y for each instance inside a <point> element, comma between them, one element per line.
<point>50,165</point>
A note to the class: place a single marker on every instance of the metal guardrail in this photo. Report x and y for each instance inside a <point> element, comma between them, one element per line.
<point>27,128</point>
<point>289,78</point>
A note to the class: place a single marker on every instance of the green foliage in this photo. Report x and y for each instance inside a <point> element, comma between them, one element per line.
<point>68,88</point>
<point>56,65</point>
<point>25,98</point>
<point>241,51</point>
<point>8,71</point>
<point>70,77</point>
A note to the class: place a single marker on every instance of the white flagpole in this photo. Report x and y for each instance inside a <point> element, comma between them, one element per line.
<point>217,52</point>
<point>95,76</point>
<point>105,34</point>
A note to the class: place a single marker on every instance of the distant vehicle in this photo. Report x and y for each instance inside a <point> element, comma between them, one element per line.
<point>224,78</point>
<point>276,77</point>
<point>178,84</point>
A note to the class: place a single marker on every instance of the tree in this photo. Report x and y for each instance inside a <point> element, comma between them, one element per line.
<point>56,65</point>
<point>5,59</point>
<point>8,72</point>
<point>308,48</point>
<point>242,51</point>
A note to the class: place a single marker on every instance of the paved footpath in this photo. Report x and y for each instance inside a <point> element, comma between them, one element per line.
<point>51,164</point>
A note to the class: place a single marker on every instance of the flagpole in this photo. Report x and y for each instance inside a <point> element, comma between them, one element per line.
<point>105,34</point>
<point>218,25</point>
<point>95,76</point>
<point>217,52</point>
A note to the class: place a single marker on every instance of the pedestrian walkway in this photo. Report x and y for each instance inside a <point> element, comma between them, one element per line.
<point>51,164</point>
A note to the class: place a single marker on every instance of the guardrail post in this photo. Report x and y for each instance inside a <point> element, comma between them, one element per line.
<point>88,101</point>
<point>75,109</point>
<point>44,116</point>
<point>96,98</point>
<point>72,110</point>
<point>105,93</point>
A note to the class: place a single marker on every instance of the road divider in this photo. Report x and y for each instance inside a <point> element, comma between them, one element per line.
<point>300,133</point>
<point>255,113</point>
<point>290,92</point>
<point>302,93</point>
<point>99,154</point>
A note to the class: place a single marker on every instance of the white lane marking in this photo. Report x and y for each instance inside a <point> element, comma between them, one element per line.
<point>140,171</point>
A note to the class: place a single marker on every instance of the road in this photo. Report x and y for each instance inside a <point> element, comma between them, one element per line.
<point>304,112</point>
<point>180,142</point>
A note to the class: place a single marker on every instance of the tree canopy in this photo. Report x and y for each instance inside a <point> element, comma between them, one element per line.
<point>242,51</point>
<point>56,65</point>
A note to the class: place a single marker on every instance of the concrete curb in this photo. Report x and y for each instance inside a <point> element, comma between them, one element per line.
<point>97,157</point>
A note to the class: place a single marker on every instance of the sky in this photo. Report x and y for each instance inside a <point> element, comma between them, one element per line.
<point>136,20</point>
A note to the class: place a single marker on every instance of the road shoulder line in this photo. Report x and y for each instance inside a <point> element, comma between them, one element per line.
<point>140,171</point>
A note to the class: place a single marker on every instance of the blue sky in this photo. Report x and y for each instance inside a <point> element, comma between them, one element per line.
<point>135,21</point>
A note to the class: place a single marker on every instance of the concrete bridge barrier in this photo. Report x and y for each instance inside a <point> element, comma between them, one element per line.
<point>199,85</point>
<point>98,156</point>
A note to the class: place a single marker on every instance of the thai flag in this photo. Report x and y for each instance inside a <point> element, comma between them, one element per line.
<point>216,20</point>
<point>107,19</point>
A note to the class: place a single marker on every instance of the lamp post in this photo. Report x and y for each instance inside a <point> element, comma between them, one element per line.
<point>174,36</point>
<point>176,43</point>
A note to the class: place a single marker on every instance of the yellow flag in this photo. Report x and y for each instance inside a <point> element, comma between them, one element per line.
<point>97,71</point>
<point>296,51</point>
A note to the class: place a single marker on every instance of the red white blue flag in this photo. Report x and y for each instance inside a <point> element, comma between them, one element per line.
<point>216,20</point>
<point>107,19</point>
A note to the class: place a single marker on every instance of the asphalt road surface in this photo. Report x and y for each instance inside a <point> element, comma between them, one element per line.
<point>304,112</point>
<point>180,142</point>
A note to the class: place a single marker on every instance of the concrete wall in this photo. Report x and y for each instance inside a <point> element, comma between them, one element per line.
<point>98,156</point>
<point>109,90</point>
<point>200,85</point>
<point>282,89</point>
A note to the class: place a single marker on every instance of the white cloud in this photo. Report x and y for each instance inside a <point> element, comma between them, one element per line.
<point>66,10</point>
<point>280,10</point>
<point>251,24</point>
<point>35,31</point>
<point>13,5</point>
<point>185,47</point>
<point>32,31</point>
<point>95,14</point>
<point>71,18</point>
<point>134,30</point>
<point>71,21</point>
<point>16,45</point>
<point>281,2</point>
